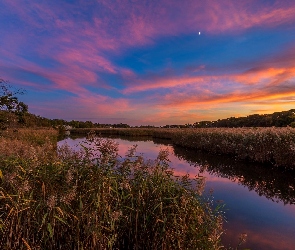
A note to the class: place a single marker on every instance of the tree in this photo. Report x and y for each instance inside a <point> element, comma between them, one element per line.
<point>9,104</point>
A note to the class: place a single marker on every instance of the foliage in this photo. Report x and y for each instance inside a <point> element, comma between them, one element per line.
<point>8,100</point>
<point>10,103</point>
<point>94,199</point>
<point>277,119</point>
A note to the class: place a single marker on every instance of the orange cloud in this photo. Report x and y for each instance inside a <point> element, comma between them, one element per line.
<point>269,82</point>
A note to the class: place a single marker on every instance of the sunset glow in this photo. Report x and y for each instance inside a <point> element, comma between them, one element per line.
<point>148,62</point>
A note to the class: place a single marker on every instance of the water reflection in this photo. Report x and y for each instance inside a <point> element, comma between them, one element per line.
<point>248,190</point>
<point>273,183</point>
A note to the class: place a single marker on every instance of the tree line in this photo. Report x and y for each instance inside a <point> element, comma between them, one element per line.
<point>276,119</point>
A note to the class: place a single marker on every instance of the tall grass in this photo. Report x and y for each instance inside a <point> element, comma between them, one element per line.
<point>264,145</point>
<point>115,131</point>
<point>28,144</point>
<point>95,199</point>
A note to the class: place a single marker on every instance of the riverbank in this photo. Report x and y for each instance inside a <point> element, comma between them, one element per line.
<point>94,199</point>
<point>275,146</point>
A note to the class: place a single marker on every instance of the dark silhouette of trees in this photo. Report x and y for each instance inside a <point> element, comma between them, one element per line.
<point>10,107</point>
<point>277,119</point>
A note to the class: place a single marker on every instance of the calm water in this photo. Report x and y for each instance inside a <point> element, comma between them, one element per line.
<point>259,200</point>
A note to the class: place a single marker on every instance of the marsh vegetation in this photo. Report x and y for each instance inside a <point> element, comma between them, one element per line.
<point>57,198</point>
<point>265,145</point>
<point>258,199</point>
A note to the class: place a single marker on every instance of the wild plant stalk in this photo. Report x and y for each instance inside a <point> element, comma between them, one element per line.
<point>95,199</point>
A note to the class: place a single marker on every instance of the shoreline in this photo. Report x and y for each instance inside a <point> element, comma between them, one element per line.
<point>275,146</point>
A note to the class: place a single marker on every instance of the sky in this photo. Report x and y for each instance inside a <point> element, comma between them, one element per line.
<point>149,62</point>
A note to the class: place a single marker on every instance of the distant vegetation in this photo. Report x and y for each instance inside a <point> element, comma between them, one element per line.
<point>277,119</point>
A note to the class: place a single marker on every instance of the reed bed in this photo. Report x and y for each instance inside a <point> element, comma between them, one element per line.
<point>265,145</point>
<point>115,131</point>
<point>28,144</point>
<point>95,199</point>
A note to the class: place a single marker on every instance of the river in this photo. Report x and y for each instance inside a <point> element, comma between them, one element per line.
<point>258,200</point>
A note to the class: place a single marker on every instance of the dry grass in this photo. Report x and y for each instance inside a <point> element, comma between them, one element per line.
<point>264,145</point>
<point>95,199</point>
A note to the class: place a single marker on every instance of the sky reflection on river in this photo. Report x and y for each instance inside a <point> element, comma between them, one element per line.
<point>269,224</point>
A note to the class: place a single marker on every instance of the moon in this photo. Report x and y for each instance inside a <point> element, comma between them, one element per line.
<point>199,32</point>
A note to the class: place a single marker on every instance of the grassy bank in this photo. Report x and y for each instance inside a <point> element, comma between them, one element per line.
<point>115,131</point>
<point>264,145</point>
<point>94,199</point>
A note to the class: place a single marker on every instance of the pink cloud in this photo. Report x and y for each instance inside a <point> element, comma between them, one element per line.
<point>237,15</point>
<point>102,105</point>
<point>85,59</point>
<point>142,23</point>
<point>131,23</point>
<point>162,82</point>
<point>139,23</point>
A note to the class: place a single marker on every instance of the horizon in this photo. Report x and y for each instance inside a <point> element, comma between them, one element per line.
<point>189,124</point>
<point>150,62</point>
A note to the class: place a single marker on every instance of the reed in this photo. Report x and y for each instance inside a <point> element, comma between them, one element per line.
<point>265,145</point>
<point>95,199</point>
<point>115,131</point>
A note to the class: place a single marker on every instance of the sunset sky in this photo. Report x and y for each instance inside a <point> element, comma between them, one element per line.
<point>150,62</point>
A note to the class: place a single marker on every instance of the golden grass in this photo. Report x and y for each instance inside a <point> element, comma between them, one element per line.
<point>264,145</point>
